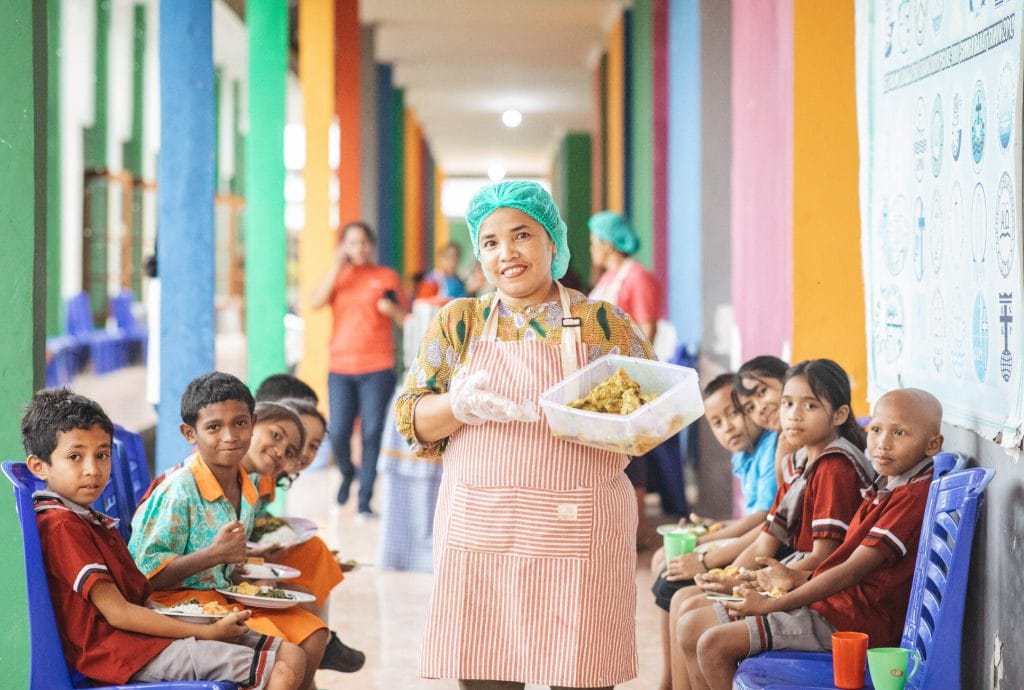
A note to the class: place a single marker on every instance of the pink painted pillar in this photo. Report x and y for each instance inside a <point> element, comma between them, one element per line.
<point>762,174</point>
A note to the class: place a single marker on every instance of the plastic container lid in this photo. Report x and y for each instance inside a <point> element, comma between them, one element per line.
<point>678,405</point>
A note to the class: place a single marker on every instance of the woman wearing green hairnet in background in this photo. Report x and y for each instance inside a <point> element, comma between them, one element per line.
<point>636,291</point>
<point>534,556</point>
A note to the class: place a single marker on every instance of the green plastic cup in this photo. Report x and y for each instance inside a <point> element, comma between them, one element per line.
<point>888,667</point>
<point>677,543</point>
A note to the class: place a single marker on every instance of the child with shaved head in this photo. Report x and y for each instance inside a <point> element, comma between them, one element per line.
<point>863,586</point>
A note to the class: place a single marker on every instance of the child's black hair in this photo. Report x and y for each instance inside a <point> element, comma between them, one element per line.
<point>726,380</point>
<point>210,389</point>
<point>278,387</point>
<point>53,411</point>
<point>305,408</point>
<point>831,385</point>
<point>760,367</point>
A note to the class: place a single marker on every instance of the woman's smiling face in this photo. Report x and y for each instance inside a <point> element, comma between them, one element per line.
<point>516,254</point>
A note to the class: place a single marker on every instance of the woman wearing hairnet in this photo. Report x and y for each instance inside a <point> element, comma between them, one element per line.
<point>534,553</point>
<point>635,290</point>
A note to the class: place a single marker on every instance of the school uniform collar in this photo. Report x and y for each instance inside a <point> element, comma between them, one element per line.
<point>883,486</point>
<point>266,485</point>
<point>210,489</point>
<point>44,499</point>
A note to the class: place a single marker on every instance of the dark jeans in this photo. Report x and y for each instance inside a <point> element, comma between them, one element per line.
<point>365,396</point>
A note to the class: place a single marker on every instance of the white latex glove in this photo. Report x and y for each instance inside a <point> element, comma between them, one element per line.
<point>473,401</point>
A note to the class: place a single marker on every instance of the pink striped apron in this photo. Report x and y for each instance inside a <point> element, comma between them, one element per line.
<point>534,540</point>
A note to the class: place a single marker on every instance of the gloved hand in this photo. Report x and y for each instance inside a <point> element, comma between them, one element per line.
<point>473,401</point>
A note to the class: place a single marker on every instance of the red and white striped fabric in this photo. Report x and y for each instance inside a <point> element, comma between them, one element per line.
<point>534,543</point>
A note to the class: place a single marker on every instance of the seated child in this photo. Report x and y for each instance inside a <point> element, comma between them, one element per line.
<point>278,387</point>
<point>99,596</point>
<point>753,462</point>
<point>864,586</point>
<point>280,443</point>
<point>190,534</point>
<point>820,493</point>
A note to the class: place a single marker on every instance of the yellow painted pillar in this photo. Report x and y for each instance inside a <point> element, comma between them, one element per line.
<point>316,247</point>
<point>413,209</point>
<point>615,144</point>
<point>828,284</point>
<point>441,230</point>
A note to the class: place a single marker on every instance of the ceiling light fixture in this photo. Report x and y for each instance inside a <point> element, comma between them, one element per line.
<point>496,172</point>
<point>511,118</point>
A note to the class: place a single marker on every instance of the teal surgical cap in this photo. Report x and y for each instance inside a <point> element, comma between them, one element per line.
<point>614,229</point>
<point>531,199</point>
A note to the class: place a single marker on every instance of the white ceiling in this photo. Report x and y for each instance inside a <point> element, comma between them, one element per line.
<point>463,62</point>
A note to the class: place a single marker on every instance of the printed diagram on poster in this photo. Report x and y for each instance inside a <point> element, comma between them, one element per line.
<point>939,111</point>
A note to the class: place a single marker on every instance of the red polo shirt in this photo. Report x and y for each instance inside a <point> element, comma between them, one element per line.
<point>877,605</point>
<point>830,501</point>
<point>362,340</point>
<point>80,548</point>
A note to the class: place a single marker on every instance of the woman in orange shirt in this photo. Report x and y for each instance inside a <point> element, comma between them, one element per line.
<point>366,300</point>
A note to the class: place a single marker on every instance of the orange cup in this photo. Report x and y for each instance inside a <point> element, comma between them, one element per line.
<point>849,656</point>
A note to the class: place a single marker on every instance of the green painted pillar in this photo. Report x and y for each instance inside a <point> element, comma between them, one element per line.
<point>574,198</point>
<point>54,304</point>
<point>265,243</point>
<point>641,127</point>
<point>134,146</point>
<point>96,241</point>
<point>23,181</point>
<point>398,183</point>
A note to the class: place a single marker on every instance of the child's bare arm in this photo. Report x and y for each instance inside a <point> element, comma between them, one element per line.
<point>863,561</point>
<point>764,545</point>
<point>821,550</point>
<point>227,547</point>
<point>124,615</point>
<point>738,527</point>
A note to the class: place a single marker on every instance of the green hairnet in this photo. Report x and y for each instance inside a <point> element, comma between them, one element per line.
<point>614,228</point>
<point>531,199</point>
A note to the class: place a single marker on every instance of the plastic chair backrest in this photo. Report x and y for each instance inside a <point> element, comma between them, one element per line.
<point>79,315</point>
<point>46,657</point>
<point>138,477</point>
<point>111,501</point>
<point>121,307</point>
<point>935,613</point>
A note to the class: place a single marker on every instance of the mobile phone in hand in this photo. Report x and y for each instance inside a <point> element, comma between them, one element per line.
<point>391,296</point>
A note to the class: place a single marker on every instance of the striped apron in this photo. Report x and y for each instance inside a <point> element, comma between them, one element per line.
<point>534,540</point>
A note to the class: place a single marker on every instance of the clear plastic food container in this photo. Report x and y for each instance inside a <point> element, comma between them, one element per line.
<point>678,405</point>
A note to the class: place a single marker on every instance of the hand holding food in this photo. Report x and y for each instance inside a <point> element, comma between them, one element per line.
<point>775,577</point>
<point>753,603</point>
<point>230,627</point>
<point>473,401</point>
<point>721,580</point>
<point>229,544</point>
<point>617,394</point>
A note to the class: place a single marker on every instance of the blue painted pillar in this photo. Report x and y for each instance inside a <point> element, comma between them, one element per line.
<point>684,170</point>
<point>185,235</point>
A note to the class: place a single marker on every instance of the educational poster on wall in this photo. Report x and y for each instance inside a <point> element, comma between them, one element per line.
<point>939,118</point>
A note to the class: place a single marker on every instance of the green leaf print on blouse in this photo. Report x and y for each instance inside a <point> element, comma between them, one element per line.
<point>602,318</point>
<point>535,325</point>
<point>460,330</point>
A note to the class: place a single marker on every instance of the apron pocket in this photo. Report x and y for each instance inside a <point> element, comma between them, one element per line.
<point>515,521</point>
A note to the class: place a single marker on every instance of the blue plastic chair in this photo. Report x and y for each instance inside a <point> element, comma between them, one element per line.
<point>934,619</point>
<point>107,351</point>
<point>135,337</point>
<point>137,466</point>
<point>47,667</point>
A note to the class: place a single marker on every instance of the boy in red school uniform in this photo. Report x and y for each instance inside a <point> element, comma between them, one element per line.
<point>864,585</point>
<point>99,595</point>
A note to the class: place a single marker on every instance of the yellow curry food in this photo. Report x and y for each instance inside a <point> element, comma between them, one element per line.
<point>617,394</point>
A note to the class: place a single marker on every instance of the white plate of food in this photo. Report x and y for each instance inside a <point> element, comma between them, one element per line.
<point>191,611</point>
<point>268,571</point>
<point>264,596</point>
<point>271,531</point>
